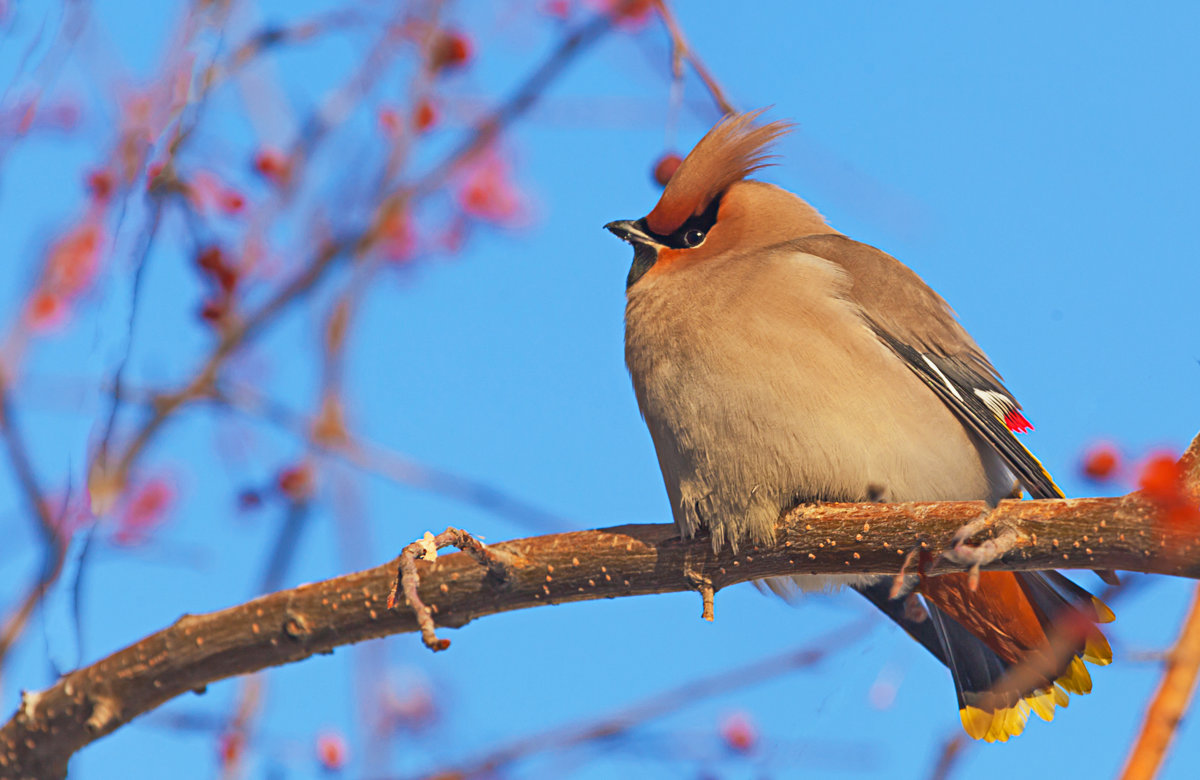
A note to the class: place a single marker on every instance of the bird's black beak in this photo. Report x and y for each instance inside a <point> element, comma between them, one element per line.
<point>629,230</point>
<point>645,247</point>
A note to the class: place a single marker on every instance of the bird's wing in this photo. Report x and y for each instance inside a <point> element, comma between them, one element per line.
<point>921,329</point>
<point>983,405</point>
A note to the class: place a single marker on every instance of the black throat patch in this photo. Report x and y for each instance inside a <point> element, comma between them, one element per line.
<point>644,257</point>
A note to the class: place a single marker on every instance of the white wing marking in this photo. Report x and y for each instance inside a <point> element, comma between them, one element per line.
<point>947,382</point>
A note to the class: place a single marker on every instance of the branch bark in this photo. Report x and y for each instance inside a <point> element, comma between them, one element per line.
<point>1125,533</point>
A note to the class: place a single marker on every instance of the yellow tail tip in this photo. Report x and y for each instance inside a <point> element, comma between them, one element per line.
<point>1076,678</point>
<point>975,721</point>
<point>995,725</point>
<point>1043,702</point>
<point>1097,650</point>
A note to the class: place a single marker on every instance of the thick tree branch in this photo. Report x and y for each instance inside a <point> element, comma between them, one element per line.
<point>1126,533</point>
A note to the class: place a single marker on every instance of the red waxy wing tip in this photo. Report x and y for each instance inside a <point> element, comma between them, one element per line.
<point>1016,422</point>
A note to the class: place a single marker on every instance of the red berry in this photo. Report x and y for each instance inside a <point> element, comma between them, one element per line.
<point>631,14</point>
<point>227,279</point>
<point>144,510</point>
<point>389,121</point>
<point>153,171</point>
<point>332,751</point>
<point>424,116</point>
<point>1101,463</point>
<point>296,482</point>
<point>213,311</point>
<point>46,310</point>
<point>229,747</point>
<point>272,165</point>
<point>739,732</point>
<point>231,201</point>
<point>665,168</point>
<point>210,258</point>
<point>451,50</point>
<point>1162,478</point>
<point>100,185</point>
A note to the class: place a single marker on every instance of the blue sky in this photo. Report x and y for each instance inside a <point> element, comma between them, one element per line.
<point>1034,162</point>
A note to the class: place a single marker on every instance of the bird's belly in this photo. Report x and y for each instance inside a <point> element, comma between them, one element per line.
<point>746,426</point>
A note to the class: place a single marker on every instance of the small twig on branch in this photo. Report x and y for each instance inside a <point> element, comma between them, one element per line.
<point>708,594</point>
<point>498,564</point>
<point>708,597</point>
<point>1170,702</point>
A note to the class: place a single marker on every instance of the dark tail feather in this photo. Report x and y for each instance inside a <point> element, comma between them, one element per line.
<point>994,705</point>
<point>1055,598</point>
<point>920,628</point>
<point>973,665</point>
<point>1070,593</point>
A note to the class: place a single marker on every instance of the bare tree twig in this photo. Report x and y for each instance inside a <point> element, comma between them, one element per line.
<point>1170,702</point>
<point>499,565</point>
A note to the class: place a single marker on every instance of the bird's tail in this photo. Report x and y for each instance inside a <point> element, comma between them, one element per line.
<point>1014,645</point>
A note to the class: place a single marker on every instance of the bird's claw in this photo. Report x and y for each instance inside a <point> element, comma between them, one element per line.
<point>975,556</point>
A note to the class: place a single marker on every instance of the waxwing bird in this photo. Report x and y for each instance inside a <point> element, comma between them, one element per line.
<point>777,361</point>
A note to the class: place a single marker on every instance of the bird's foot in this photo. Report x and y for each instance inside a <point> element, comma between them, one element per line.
<point>975,556</point>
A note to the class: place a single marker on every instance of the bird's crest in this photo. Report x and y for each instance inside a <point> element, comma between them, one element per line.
<point>729,152</point>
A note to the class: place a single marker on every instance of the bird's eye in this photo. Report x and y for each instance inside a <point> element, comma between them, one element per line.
<point>693,238</point>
